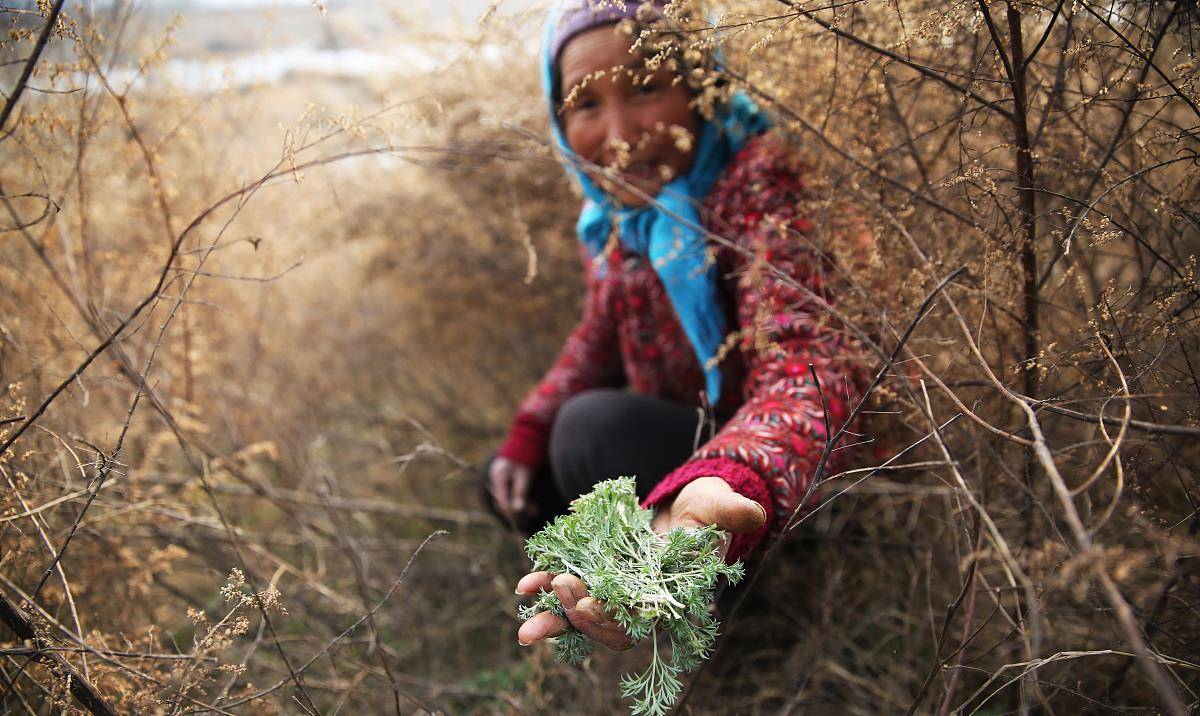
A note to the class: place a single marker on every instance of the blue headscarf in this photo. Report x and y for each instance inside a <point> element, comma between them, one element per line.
<point>666,231</point>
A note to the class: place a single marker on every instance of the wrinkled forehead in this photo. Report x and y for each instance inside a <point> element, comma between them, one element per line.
<point>599,51</point>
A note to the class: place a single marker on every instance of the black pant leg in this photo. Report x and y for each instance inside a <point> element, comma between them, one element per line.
<point>602,434</point>
<point>598,435</point>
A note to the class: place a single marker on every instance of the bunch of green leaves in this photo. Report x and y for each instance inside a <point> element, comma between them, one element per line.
<point>649,582</point>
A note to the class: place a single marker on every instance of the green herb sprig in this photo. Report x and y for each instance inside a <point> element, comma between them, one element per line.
<point>649,582</point>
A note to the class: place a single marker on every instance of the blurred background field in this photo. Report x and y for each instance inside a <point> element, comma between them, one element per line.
<point>267,481</point>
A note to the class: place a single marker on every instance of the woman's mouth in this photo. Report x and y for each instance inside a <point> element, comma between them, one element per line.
<point>642,170</point>
<point>635,180</point>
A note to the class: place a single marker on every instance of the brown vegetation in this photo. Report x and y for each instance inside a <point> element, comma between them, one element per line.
<point>248,374</point>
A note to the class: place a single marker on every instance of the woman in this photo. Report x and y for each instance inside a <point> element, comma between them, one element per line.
<point>676,325</point>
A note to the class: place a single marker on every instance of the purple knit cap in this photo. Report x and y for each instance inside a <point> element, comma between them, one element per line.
<point>579,16</point>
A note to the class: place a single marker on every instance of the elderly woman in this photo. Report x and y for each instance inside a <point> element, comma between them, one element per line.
<point>689,368</point>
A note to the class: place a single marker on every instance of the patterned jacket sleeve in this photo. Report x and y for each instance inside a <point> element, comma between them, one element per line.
<point>769,449</point>
<point>590,358</point>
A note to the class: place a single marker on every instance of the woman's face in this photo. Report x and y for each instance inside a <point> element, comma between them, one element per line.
<point>618,114</point>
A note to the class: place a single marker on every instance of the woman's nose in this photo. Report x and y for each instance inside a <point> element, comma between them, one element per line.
<point>622,130</point>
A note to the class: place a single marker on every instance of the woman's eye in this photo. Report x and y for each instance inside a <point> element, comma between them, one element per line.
<point>582,102</point>
<point>648,85</point>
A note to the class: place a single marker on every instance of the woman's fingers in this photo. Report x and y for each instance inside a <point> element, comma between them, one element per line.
<point>500,475</point>
<point>584,612</point>
<point>587,614</point>
<point>541,626</point>
<point>570,589</point>
<point>509,483</point>
<point>519,488</point>
<point>534,582</point>
<point>544,625</point>
<point>590,617</point>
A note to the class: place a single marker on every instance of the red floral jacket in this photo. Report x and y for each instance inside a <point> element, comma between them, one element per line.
<point>769,446</point>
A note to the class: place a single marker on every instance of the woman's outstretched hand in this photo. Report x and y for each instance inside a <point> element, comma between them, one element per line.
<point>710,501</point>
<point>704,501</point>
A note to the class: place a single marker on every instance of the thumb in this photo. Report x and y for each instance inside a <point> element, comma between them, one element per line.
<point>737,513</point>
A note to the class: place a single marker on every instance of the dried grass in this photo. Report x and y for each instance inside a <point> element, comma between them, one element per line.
<point>344,334</point>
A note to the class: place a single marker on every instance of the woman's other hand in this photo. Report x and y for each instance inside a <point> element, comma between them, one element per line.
<point>704,501</point>
<point>509,482</point>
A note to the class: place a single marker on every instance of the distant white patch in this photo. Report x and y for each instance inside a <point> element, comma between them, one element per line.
<point>272,66</point>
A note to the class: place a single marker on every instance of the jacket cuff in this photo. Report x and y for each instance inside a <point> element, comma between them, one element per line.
<point>743,480</point>
<point>526,443</point>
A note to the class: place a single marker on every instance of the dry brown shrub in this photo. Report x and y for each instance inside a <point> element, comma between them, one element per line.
<point>332,351</point>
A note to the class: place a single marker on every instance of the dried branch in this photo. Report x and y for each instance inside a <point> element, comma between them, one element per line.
<point>1121,609</point>
<point>83,691</point>
<point>15,96</point>
<point>930,72</point>
<point>346,632</point>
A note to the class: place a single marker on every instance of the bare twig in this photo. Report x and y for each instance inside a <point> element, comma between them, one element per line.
<point>346,632</point>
